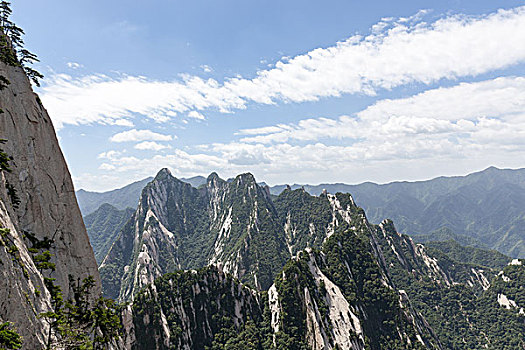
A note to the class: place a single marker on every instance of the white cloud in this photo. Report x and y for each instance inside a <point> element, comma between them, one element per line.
<point>111,155</point>
<point>451,129</point>
<point>140,135</point>
<point>395,53</point>
<point>150,145</point>
<point>206,68</point>
<point>74,65</point>
<point>106,166</point>
<point>491,98</point>
<point>464,108</point>
<point>196,115</point>
<point>123,122</point>
<point>263,130</point>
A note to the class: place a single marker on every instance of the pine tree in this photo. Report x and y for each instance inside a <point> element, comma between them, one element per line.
<point>12,50</point>
<point>9,339</point>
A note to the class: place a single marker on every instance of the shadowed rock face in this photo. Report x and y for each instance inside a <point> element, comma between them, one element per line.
<point>47,209</point>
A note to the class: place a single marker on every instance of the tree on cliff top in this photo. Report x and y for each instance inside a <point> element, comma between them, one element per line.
<point>12,50</point>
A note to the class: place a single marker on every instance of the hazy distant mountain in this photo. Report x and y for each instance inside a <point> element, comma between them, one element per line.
<point>195,181</point>
<point>445,234</point>
<point>488,205</point>
<point>103,225</point>
<point>483,209</point>
<point>121,198</point>
<point>470,255</point>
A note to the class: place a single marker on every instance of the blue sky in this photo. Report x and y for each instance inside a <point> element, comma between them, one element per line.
<point>293,91</point>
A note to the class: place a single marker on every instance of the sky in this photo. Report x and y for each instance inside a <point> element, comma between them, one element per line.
<point>291,91</point>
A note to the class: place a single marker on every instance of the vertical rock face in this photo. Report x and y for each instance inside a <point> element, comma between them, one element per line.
<point>22,293</point>
<point>337,298</point>
<point>238,226</point>
<point>47,208</point>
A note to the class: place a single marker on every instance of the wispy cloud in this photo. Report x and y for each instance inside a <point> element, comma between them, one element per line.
<point>140,135</point>
<point>196,115</point>
<point>151,146</point>
<point>206,69</point>
<point>461,108</point>
<point>74,65</point>
<point>458,126</point>
<point>396,52</point>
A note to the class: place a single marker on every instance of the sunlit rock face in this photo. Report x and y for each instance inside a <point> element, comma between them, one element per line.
<point>47,209</point>
<point>230,224</point>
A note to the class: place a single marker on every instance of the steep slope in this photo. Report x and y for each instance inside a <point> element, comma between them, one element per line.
<point>233,224</point>
<point>191,310</point>
<point>337,298</point>
<point>457,299</point>
<point>307,220</point>
<point>23,296</point>
<point>46,210</point>
<point>103,226</point>
<point>470,255</point>
<point>177,226</point>
<point>487,205</point>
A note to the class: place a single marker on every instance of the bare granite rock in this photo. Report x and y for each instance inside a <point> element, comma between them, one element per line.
<point>48,208</point>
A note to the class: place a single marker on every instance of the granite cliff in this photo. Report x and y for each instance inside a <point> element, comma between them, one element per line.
<point>37,200</point>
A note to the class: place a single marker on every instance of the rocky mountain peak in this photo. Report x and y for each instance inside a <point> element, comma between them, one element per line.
<point>245,179</point>
<point>212,176</point>
<point>163,173</point>
<point>213,180</point>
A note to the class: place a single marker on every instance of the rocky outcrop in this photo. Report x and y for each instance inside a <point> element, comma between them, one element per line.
<point>176,226</point>
<point>236,225</point>
<point>352,285</point>
<point>47,209</point>
<point>189,309</point>
<point>23,295</point>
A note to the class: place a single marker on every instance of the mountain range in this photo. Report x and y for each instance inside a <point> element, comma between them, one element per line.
<point>483,209</point>
<point>227,264</point>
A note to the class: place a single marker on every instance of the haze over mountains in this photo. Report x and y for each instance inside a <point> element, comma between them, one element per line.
<point>482,209</point>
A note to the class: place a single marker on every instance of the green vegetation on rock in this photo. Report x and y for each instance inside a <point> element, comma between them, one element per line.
<point>103,226</point>
<point>9,338</point>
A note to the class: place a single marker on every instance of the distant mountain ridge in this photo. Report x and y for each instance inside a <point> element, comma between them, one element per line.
<point>484,209</point>
<point>121,198</point>
<point>103,226</point>
<point>177,226</point>
<point>515,176</point>
<point>488,206</point>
